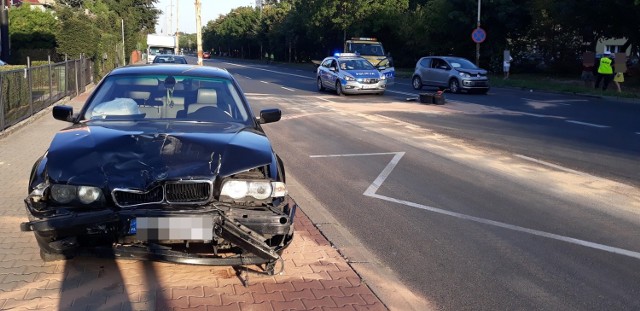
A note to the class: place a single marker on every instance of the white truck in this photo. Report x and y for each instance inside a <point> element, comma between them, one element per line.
<point>159,44</point>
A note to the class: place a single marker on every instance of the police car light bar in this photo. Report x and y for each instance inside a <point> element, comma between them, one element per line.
<point>345,54</point>
<point>365,39</point>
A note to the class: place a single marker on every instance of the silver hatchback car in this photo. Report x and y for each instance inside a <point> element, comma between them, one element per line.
<point>449,72</point>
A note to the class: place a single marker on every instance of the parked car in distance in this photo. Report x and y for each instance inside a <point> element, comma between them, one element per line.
<point>448,72</point>
<point>163,162</point>
<point>2,63</point>
<point>206,55</point>
<point>348,73</point>
<point>169,59</point>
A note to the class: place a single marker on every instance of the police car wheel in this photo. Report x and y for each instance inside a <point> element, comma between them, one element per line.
<point>339,88</point>
<point>417,83</point>
<point>320,86</point>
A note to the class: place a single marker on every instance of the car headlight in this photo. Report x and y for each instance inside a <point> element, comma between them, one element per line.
<point>67,193</point>
<point>349,78</point>
<point>464,75</point>
<point>88,194</point>
<point>383,77</point>
<point>259,190</point>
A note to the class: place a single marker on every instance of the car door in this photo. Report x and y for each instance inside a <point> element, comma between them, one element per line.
<point>440,72</point>
<point>323,72</point>
<point>332,74</point>
<point>422,69</point>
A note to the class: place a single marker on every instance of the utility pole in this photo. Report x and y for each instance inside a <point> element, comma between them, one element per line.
<point>177,51</point>
<point>124,55</point>
<point>4,32</point>
<point>478,44</point>
<point>199,32</point>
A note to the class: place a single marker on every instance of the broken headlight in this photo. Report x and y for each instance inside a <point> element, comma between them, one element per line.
<point>257,189</point>
<point>67,193</point>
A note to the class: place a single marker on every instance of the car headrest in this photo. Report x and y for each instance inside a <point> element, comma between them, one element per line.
<point>207,96</point>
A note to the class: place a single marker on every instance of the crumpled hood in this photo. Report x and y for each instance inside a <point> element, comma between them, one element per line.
<point>122,154</point>
<point>473,72</point>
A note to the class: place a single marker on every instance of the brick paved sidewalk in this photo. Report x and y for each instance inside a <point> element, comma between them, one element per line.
<point>315,276</point>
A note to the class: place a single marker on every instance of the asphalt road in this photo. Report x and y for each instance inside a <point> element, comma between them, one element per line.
<point>511,201</point>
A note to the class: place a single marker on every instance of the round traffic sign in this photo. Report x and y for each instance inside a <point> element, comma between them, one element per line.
<point>478,35</point>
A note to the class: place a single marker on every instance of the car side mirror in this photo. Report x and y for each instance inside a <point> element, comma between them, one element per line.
<point>63,113</point>
<point>381,68</point>
<point>334,69</point>
<point>270,115</point>
<point>444,67</point>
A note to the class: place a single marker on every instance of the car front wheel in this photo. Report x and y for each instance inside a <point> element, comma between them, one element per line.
<point>320,86</point>
<point>454,86</point>
<point>417,83</point>
<point>339,88</point>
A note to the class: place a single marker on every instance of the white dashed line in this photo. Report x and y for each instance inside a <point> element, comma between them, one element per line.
<point>288,89</point>
<point>587,124</point>
<point>265,82</point>
<point>278,72</point>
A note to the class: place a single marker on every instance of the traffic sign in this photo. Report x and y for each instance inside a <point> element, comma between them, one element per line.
<point>478,35</point>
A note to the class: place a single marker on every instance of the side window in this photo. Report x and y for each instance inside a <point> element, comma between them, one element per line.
<point>326,63</point>
<point>425,62</point>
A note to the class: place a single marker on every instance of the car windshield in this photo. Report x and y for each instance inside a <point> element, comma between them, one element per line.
<point>367,49</point>
<point>163,97</point>
<point>169,59</point>
<point>356,64</point>
<point>462,63</point>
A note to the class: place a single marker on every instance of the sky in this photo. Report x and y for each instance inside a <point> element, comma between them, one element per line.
<point>186,21</point>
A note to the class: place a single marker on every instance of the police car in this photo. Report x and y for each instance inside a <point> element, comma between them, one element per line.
<point>348,73</point>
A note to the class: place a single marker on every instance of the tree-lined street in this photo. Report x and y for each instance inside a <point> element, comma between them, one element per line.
<point>508,201</point>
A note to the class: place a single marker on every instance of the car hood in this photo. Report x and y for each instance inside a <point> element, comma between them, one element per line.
<point>473,72</point>
<point>138,154</point>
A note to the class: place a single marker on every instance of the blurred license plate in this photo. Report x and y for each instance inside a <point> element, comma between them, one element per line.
<point>369,87</point>
<point>172,228</point>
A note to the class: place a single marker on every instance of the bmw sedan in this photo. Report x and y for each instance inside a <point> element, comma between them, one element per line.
<point>167,163</point>
<point>447,72</point>
<point>348,73</point>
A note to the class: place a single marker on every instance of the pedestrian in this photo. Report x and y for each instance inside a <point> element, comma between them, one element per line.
<point>587,75</point>
<point>617,79</point>
<point>605,71</point>
<point>506,66</point>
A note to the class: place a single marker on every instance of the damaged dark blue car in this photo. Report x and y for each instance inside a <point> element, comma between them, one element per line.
<point>163,162</point>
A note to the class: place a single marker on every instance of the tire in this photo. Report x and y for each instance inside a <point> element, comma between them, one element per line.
<point>416,82</point>
<point>339,89</point>
<point>319,85</point>
<point>454,86</point>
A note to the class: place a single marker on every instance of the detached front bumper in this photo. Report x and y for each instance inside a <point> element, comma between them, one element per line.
<point>253,231</point>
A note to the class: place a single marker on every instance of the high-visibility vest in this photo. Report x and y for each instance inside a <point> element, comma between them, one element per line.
<point>605,66</point>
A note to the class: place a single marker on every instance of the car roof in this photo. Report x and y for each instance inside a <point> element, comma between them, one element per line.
<point>172,69</point>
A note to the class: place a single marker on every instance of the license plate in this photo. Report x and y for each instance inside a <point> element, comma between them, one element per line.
<point>172,228</point>
<point>369,87</point>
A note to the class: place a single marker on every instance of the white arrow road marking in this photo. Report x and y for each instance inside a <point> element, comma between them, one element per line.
<point>373,188</point>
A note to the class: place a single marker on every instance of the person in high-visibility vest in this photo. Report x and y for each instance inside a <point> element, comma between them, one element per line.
<point>605,71</point>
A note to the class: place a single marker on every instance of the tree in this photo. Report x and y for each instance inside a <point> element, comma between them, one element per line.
<point>32,29</point>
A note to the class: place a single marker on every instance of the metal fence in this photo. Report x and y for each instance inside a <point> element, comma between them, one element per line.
<point>26,91</point>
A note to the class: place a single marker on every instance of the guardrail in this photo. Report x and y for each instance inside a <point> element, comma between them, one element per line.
<point>24,92</point>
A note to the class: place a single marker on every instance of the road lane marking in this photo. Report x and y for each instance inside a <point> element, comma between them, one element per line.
<point>265,82</point>
<point>402,93</point>
<point>288,89</point>
<point>562,168</point>
<point>327,100</point>
<point>377,183</point>
<point>278,72</point>
<point>587,124</point>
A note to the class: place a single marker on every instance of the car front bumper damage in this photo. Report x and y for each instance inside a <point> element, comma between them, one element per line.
<point>246,229</point>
